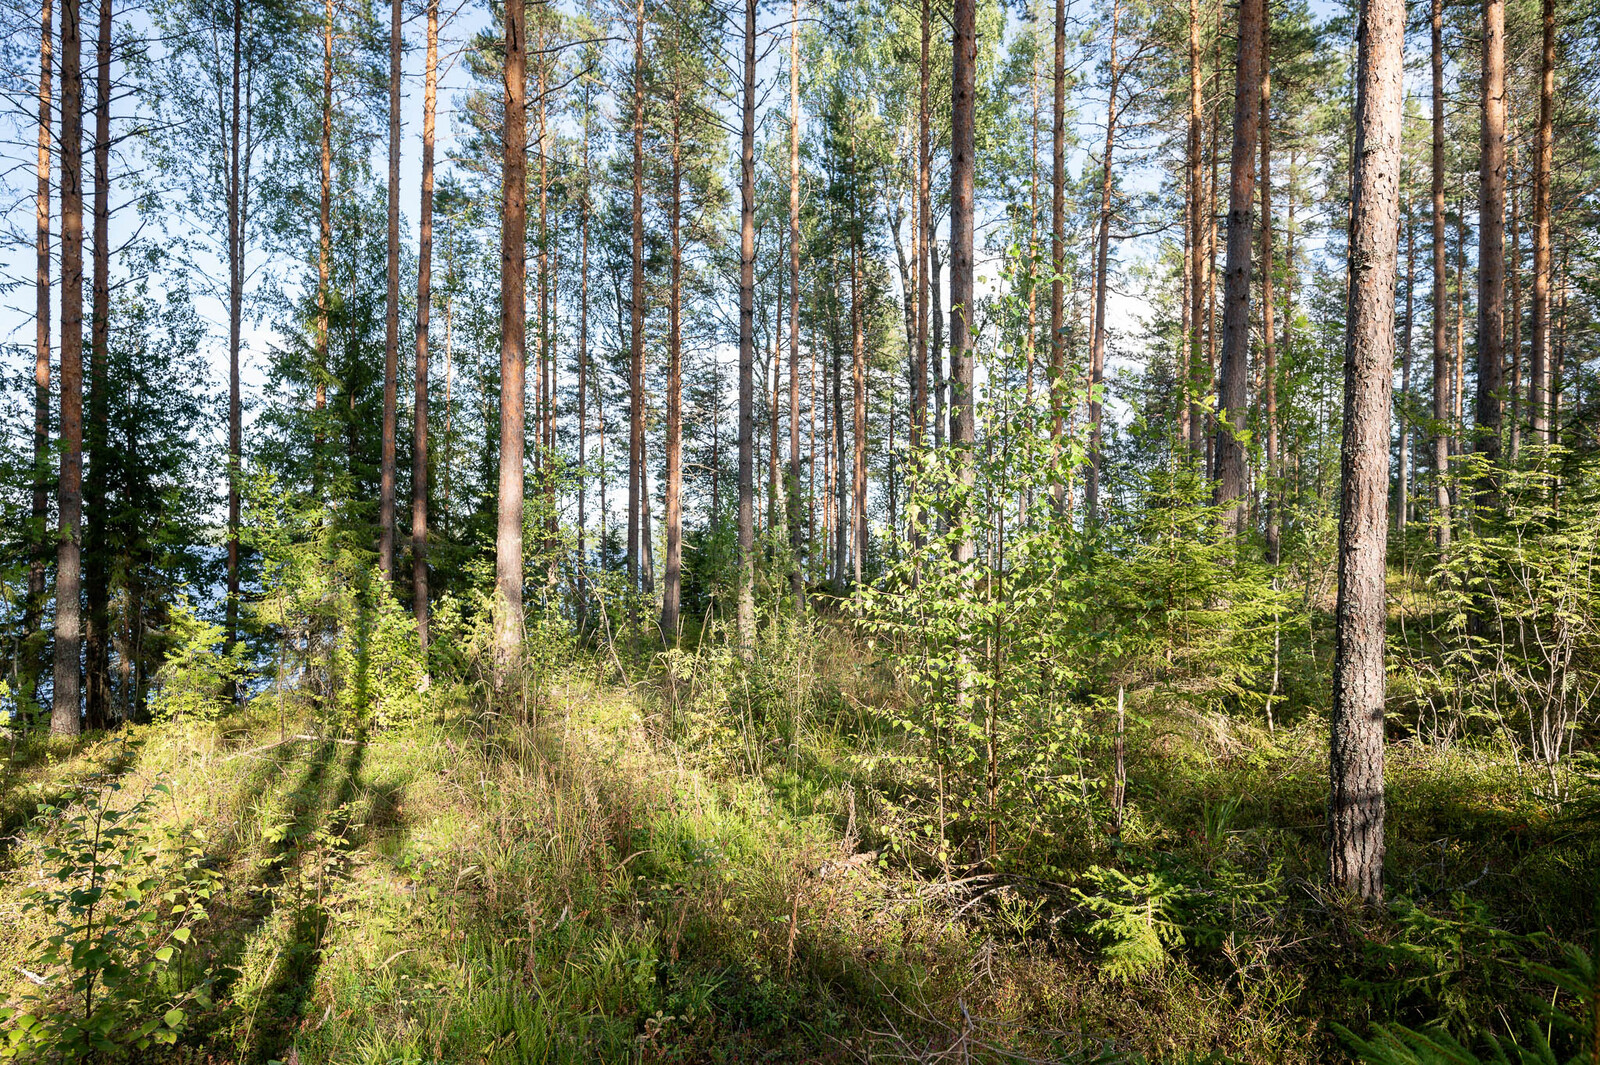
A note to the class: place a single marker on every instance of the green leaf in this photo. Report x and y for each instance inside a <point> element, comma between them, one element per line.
<point>173,1017</point>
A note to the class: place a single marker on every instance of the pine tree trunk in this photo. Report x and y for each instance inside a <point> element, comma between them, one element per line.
<point>1058,242</point>
<point>582,472</point>
<point>1403,489</point>
<point>963,121</point>
<point>65,709</point>
<point>797,586</point>
<point>1539,376</point>
<point>1097,341</point>
<point>1233,384</point>
<point>1491,235</point>
<point>40,503</point>
<point>324,252</point>
<point>1269,350</point>
<point>513,354</point>
<point>237,198</point>
<point>1355,805</point>
<point>1198,222</point>
<point>391,313</point>
<point>671,588</point>
<point>1441,355</point>
<point>1515,269</point>
<point>419,425</point>
<point>636,307</point>
<point>97,652</point>
<point>747,339</point>
<point>858,379</point>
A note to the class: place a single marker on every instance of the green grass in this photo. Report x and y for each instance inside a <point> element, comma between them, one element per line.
<point>641,878</point>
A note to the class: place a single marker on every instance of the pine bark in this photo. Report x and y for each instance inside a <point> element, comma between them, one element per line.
<point>963,122</point>
<point>65,717</point>
<point>1234,374</point>
<point>1097,342</point>
<point>1355,805</point>
<point>797,587</point>
<point>97,653</point>
<point>40,503</point>
<point>513,353</point>
<point>1441,354</point>
<point>747,353</point>
<point>636,325</point>
<point>419,425</point>
<point>671,587</point>
<point>1269,349</point>
<point>1058,239</point>
<point>391,313</point>
<point>1198,222</point>
<point>1491,234</point>
<point>1539,376</point>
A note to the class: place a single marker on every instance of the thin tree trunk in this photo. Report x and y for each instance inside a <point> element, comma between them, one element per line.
<point>513,352</point>
<point>1441,356</point>
<point>583,373</point>
<point>963,120</point>
<point>747,340</point>
<point>797,586</point>
<point>40,512</point>
<point>1097,343</point>
<point>1269,351</point>
<point>671,588</point>
<point>841,499</point>
<point>858,378</point>
<point>1233,386</point>
<point>1491,235</point>
<point>1355,805</point>
<point>65,710</point>
<point>940,393</point>
<point>1403,491</point>
<point>636,304</point>
<point>97,651</point>
<point>419,425</point>
<point>1539,376</point>
<point>1515,269</point>
<point>1058,243</point>
<point>391,313</point>
<point>1198,221</point>
<point>238,193</point>
<point>324,250</point>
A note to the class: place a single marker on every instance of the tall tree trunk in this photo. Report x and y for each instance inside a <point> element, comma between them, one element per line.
<point>583,373</point>
<point>858,380</point>
<point>636,363</point>
<point>1403,489</point>
<point>1269,350</point>
<point>1515,269</point>
<point>797,586</point>
<point>1491,234</point>
<point>1355,805</point>
<point>747,339</point>
<point>324,252</point>
<point>238,193</point>
<point>391,313</point>
<point>1198,221</point>
<point>1097,342</point>
<point>1441,354</point>
<point>419,425</point>
<point>65,710</point>
<point>1058,242</point>
<point>1233,384</point>
<point>97,652</point>
<point>670,592</point>
<point>963,121</point>
<point>513,352</point>
<point>40,511</point>
<point>1539,376</point>
<point>841,498</point>
<point>924,209</point>
<point>940,393</point>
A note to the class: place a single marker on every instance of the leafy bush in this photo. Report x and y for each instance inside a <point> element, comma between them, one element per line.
<point>122,904</point>
<point>200,670</point>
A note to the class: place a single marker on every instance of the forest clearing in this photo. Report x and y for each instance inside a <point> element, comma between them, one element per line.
<point>934,531</point>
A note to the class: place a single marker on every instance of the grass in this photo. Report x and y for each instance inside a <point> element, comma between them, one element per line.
<point>684,871</point>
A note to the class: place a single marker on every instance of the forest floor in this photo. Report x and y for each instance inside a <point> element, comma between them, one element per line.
<point>618,885</point>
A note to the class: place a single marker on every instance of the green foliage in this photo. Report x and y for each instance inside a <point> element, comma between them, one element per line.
<point>123,901</point>
<point>1561,1029</point>
<point>200,670</point>
<point>1133,919</point>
